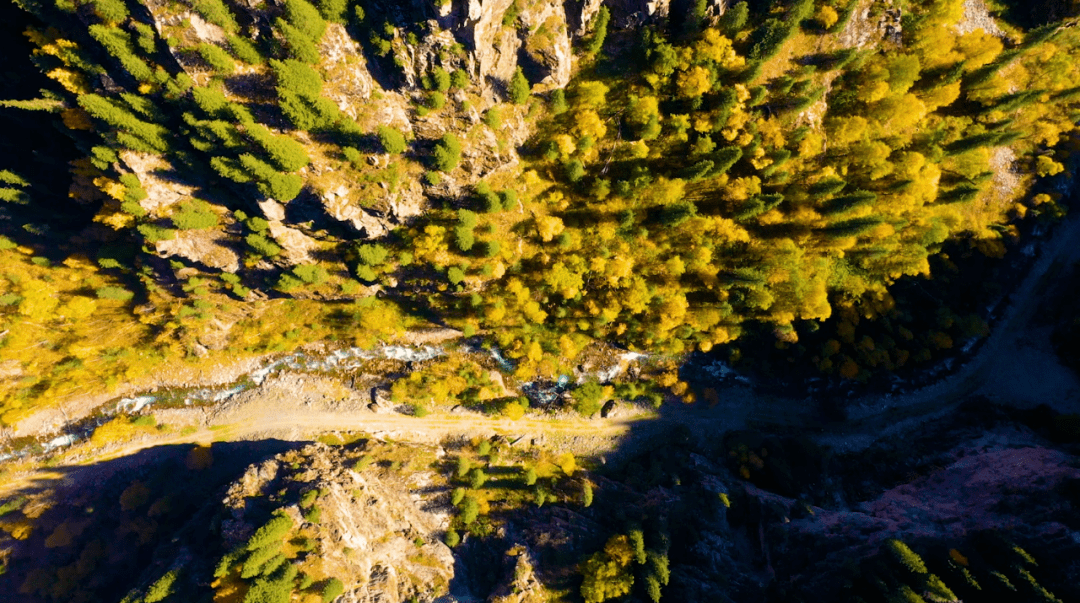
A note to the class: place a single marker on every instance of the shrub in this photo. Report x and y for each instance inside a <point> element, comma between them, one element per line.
<point>491,248</point>
<point>457,496</point>
<point>393,142</point>
<point>436,100</point>
<point>418,410</point>
<point>366,274</point>
<point>287,282</point>
<point>447,154</point>
<point>512,13</point>
<point>529,477</point>
<point>513,409</point>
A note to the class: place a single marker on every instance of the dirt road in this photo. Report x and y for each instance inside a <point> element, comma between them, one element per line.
<point>1013,365</point>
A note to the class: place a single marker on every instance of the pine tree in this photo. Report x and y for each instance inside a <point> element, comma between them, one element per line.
<point>392,141</point>
<point>447,153</point>
<point>519,88</point>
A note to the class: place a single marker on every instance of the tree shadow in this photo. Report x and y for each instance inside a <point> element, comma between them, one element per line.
<point>97,529</point>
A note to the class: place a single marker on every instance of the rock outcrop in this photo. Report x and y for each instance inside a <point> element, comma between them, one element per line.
<point>212,248</point>
<point>375,532</point>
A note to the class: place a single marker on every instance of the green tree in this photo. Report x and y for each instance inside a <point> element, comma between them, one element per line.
<point>245,50</point>
<point>607,573</point>
<point>599,31</point>
<point>392,141</point>
<point>519,88</point>
<point>305,18</point>
<point>299,88</point>
<point>216,58</point>
<point>452,538</point>
<point>273,184</point>
<point>161,588</point>
<point>447,153</point>
<point>470,510</point>
<point>464,238</point>
<point>477,478</point>
<point>734,18</point>
<point>217,13</point>
<point>575,170</point>
<point>459,79</point>
<point>493,118</point>
<point>112,11</point>
<point>588,397</point>
<point>558,101</point>
<point>332,590</point>
<point>271,531</point>
<point>333,10</point>
<point>440,79</point>
<point>301,47</point>
<point>194,214</point>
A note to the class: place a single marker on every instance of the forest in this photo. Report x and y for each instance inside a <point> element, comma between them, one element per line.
<point>703,183</point>
<point>837,192</point>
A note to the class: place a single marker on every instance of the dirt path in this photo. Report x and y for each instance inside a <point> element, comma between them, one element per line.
<point>1013,366</point>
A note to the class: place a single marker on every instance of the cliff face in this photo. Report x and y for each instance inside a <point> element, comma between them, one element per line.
<point>379,530</point>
